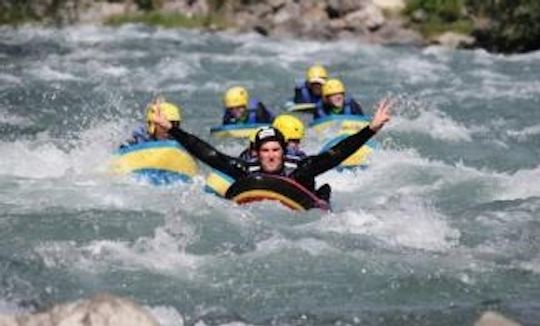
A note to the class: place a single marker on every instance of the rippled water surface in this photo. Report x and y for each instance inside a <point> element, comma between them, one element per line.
<point>442,226</point>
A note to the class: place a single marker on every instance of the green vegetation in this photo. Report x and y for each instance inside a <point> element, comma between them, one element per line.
<point>498,25</point>
<point>434,17</point>
<point>512,25</point>
<point>15,13</point>
<point>169,20</point>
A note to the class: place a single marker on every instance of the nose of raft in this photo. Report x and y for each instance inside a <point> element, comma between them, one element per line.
<point>269,187</point>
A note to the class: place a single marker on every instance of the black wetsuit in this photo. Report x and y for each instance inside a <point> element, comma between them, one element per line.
<point>304,171</point>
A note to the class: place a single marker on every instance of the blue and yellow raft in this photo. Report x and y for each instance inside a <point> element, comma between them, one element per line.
<point>343,126</point>
<point>244,130</point>
<point>159,162</point>
<point>218,183</point>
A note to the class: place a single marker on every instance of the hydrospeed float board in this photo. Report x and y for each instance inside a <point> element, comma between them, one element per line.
<point>268,187</point>
<point>218,183</point>
<point>300,107</point>
<point>159,162</point>
<point>345,125</point>
<point>244,130</point>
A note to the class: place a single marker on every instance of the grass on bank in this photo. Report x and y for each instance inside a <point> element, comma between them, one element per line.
<point>439,16</point>
<point>169,20</point>
<point>434,27</point>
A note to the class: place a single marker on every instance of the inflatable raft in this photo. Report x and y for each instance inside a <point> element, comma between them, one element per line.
<point>218,183</point>
<point>341,126</point>
<point>268,187</point>
<point>237,130</point>
<point>300,107</point>
<point>159,162</point>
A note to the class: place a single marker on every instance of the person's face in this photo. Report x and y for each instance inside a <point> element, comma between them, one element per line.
<point>271,156</point>
<point>293,144</point>
<point>238,111</point>
<point>316,88</point>
<point>336,100</point>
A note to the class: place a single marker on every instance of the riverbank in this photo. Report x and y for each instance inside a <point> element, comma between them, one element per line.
<point>503,26</point>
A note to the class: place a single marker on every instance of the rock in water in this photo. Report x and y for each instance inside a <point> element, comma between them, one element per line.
<point>101,310</point>
<point>491,318</point>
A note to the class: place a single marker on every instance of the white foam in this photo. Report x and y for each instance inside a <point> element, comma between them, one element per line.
<point>524,134</point>
<point>408,223</point>
<point>9,79</point>
<point>431,122</point>
<point>519,185</point>
<point>166,315</point>
<point>277,244</point>
<point>532,265</point>
<point>48,73</point>
<point>41,158</point>
<point>419,71</point>
<point>161,253</point>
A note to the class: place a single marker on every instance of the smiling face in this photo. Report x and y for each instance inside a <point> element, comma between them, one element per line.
<point>336,100</point>
<point>271,156</point>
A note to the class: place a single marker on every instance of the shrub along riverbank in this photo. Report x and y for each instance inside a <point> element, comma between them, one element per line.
<point>506,26</point>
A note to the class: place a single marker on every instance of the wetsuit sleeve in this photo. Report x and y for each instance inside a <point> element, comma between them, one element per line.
<point>234,167</point>
<point>356,108</point>
<point>312,166</point>
<point>298,97</point>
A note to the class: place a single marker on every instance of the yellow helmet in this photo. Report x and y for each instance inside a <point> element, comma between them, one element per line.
<point>316,74</point>
<point>236,96</point>
<point>171,112</point>
<point>332,86</point>
<point>290,126</point>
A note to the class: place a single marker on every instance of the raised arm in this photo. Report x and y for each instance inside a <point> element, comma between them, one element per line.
<point>197,147</point>
<point>315,165</point>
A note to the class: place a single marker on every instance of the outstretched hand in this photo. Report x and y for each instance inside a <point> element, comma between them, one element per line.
<point>159,118</point>
<point>382,115</point>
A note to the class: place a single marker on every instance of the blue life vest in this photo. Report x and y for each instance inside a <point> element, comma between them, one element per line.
<point>346,110</point>
<point>293,153</point>
<point>138,136</point>
<point>252,111</point>
<point>252,108</point>
<point>307,97</point>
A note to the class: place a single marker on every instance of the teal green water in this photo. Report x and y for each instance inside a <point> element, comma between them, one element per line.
<point>442,226</point>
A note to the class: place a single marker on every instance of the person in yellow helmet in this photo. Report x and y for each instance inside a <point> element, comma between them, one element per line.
<point>293,130</point>
<point>150,131</point>
<point>239,108</point>
<point>270,146</point>
<point>310,90</point>
<point>334,101</point>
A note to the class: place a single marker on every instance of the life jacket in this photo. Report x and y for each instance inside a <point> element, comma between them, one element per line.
<point>289,165</point>
<point>294,153</point>
<point>307,97</point>
<point>138,136</point>
<point>251,111</point>
<point>346,110</point>
<point>253,106</point>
